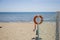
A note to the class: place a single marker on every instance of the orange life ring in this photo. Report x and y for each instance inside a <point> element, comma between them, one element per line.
<point>40,20</point>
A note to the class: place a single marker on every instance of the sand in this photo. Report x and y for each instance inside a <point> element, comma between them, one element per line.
<point>24,31</point>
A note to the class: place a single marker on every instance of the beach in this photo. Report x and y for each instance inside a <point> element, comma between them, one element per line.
<point>24,31</point>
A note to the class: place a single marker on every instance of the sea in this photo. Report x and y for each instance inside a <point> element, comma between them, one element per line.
<point>26,16</point>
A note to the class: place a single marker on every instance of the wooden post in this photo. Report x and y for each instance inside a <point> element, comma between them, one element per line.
<point>57,25</point>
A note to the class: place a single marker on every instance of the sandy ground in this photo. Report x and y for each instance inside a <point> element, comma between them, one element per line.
<point>24,31</point>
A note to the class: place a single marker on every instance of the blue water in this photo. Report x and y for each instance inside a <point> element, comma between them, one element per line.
<point>26,16</point>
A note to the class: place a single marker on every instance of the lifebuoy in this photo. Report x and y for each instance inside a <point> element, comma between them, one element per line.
<point>37,22</point>
<point>40,20</point>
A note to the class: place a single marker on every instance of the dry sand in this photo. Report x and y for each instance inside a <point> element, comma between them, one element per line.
<point>24,31</point>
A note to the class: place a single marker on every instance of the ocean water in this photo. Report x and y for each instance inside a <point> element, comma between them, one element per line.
<point>26,16</point>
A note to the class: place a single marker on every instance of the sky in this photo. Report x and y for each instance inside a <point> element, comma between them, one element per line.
<point>29,5</point>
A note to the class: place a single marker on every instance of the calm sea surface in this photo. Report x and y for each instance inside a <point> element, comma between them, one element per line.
<point>25,16</point>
